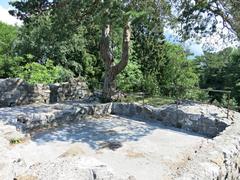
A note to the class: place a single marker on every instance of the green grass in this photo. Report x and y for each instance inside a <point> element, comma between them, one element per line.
<point>153,100</point>
<point>16,140</point>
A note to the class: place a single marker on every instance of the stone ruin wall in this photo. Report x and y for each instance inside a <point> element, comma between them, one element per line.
<point>219,159</point>
<point>16,92</point>
<point>171,116</point>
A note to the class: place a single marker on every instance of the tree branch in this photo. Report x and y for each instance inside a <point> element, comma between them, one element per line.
<point>125,49</point>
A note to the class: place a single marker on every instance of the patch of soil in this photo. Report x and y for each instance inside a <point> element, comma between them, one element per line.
<point>75,150</point>
<point>27,177</point>
<point>134,154</point>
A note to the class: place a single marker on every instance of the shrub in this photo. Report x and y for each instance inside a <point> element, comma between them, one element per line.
<point>130,79</point>
<point>44,73</point>
<point>16,140</point>
<point>9,66</point>
<point>197,94</point>
<point>150,85</point>
<point>229,103</point>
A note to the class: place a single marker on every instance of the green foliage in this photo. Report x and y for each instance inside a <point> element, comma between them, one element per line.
<point>131,78</point>
<point>220,71</point>
<point>8,34</point>
<point>229,102</point>
<point>16,141</point>
<point>165,66</point>
<point>172,75</point>
<point>167,70</point>
<point>202,17</point>
<point>45,74</point>
<point>150,85</point>
<point>68,33</point>
<point>76,51</point>
<point>197,94</point>
<point>148,45</point>
<point>150,100</point>
<point>178,75</point>
<point>8,63</point>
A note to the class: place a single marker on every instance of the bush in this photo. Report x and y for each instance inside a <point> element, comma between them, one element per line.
<point>45,74</point>
<point>9,66</point>
<point>150,85</point>
<point>197,95</point>
<point>229,103</point>
<point>130,79</point>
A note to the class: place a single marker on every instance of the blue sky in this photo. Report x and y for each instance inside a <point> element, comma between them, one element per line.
<point>5,16</point>
<point>4,3</point>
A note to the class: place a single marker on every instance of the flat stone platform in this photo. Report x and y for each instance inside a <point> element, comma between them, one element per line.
<point>129,148</point>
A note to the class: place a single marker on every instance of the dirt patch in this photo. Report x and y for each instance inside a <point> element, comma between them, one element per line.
<point>27,177</point>
<point>75,150</point>
<point>135,154</point>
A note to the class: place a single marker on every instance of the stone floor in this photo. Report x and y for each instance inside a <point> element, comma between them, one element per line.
<point>130,147</point>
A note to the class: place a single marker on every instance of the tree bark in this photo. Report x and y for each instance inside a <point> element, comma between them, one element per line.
<point>112,70</point>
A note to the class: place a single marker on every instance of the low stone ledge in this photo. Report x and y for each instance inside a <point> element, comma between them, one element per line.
<point>37,116</point>
<point>201,118</point>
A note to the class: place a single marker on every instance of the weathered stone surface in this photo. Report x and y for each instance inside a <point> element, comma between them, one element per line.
<point>71,168</point>
<point>15,92</point>
<point>112,140</point>
<point>218,160</point>
<point>72,90</point>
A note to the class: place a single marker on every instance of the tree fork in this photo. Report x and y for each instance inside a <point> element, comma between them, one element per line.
<point>111,70</point>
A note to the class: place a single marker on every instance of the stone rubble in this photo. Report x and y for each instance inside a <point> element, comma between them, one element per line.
<point>78,168</point>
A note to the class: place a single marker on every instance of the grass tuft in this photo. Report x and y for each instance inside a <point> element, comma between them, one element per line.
<point>16,140</point>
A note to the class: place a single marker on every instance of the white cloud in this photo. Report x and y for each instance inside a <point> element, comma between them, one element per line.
<point>7,18</point>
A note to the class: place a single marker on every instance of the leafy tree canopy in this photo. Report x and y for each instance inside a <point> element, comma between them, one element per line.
<point>208,16</point>
<point>8,34</point>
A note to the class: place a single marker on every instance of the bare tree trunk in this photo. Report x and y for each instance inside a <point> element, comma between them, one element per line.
<point>112,70</point>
